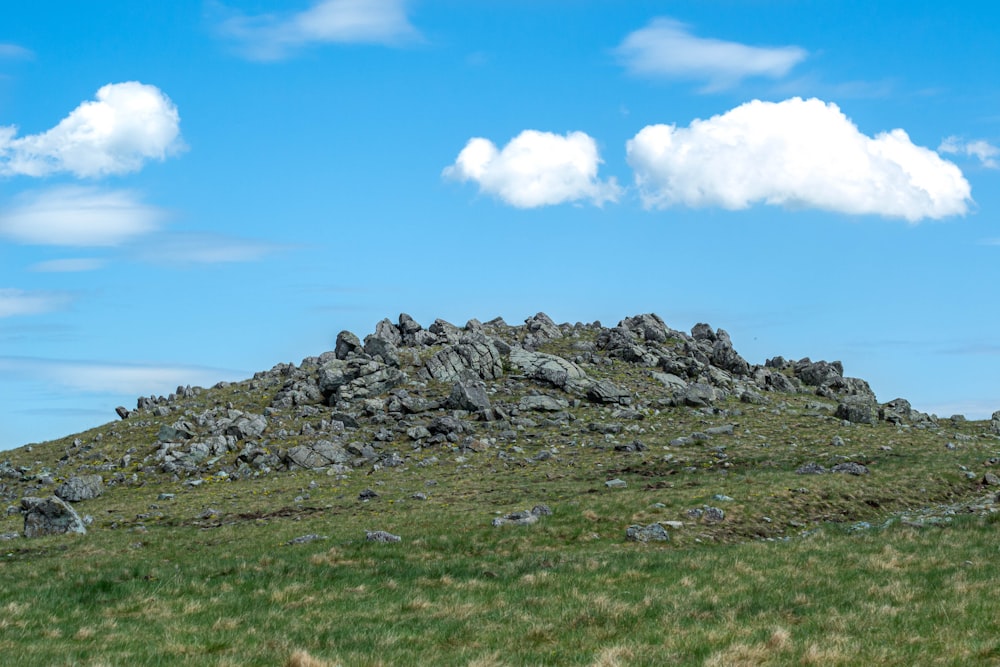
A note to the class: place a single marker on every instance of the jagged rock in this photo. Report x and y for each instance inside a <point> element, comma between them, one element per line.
<point>896,411</point>
<point>810,469</point>
<point>408,328</point>
<point>319,454</point>
<point>388,332</point>
<point>698,395</point>
<point>470,395</point>
<point>702,331</point>
<point>542,403</point>
<point>297,393</point>
<point>445,425</point>
<point>347,344</point>
<point>858,410</point>
<point>726,358</point>
<point>648,326</point>
<point>475,353</point>
<point>243,426</point>
<point>84,487</point>
<point>357,378</point>
<point>669,380</point>
<point>445,332</point>
<point>382,349</point>
<point>50,516</point>
<point>606,391</point>
<point>540,328</point>
<point>654,532</point>
<point>816,374</point>
<point>122,412</point>
<point>546,367</point>
<point>180,430</point>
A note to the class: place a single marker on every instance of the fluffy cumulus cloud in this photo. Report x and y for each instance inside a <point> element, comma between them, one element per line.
<point>274,37</point>
<point>125,126</point>
<point>20,302</point>
<point>666,48</point>
<point>983,151</point>
<point>796,153</point>
<point>536,169</point>
<point>78,216</point>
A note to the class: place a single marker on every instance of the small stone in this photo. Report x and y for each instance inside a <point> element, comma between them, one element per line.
<point>714,515</point>
<point>989,479</point>
<point>381,536</point>
<point>367,494</point>
<point>654,532</point>
<point>305,539</point>
<point>850,468</point>
<point>837,441</point>
<point>616,484</point>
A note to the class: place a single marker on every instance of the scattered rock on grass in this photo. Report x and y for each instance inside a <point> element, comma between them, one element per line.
<point>654,532</point>
<point>381,536</point>
<point>50,516</point>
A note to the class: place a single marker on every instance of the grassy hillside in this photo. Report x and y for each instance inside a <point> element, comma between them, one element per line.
<point>202,567</point>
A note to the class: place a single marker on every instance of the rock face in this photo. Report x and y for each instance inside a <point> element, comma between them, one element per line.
<point>76,489</point>
<point>49,516</point>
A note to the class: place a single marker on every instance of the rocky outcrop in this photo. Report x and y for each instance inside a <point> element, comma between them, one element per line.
<point>49,516</point>
<point>77,489</point>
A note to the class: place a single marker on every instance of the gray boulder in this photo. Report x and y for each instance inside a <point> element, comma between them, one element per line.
<point>475,353</point>
<point>383,349</point>
<point>858,410</point>
<point>547,367</point>
<point>654,532</point>
<point>319,454</point>
<point>381,536</point>
<point>50,516</point>
<point>469,394</point>
<point>606,391</point>
<point>542,403</point>
<point>84,487</point>
<point>347,344</point>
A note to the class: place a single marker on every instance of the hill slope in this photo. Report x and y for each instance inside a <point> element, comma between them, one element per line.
<point>502,456</point>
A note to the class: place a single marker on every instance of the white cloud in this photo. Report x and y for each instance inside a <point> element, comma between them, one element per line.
<point>273,37</point>
<point>666,48</point>
<point>19,302</point>
<point>78,216</point>
<point>15,52</point>
<point>536,169</point>
<point>74,265</point>
<point>100,377</point>
<point>797,153</point>
<point>983,151</point>
<point>127,125</point>
<point>205,249</point>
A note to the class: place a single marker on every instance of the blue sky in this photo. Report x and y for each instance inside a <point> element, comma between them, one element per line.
<point>197,190</point>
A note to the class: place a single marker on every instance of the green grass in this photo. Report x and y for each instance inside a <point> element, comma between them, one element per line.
<point>784,579</point>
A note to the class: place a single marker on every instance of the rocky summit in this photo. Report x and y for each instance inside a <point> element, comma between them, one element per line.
<point>407,394</point>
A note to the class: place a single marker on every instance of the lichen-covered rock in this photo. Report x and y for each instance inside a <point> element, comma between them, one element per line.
<point>654,532</point>
<point>77,489</point>
<point>50,516</point>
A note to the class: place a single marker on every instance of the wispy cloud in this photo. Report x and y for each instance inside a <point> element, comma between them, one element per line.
<point>69,265</point>
<point>795,153</point>
<point>14,52</point>
<point>116,378</point>
<point>203,248</point>
<point>78,216</point>
<point>279,36</point>
<point>126,125</point>
<point>666,48</point>
<point>20,302</point>
<point>980,149</point>
<point>536,169</point>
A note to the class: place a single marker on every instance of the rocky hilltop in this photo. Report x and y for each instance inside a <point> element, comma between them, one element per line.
<point>405,386</point>
<point>407,394</point>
